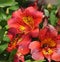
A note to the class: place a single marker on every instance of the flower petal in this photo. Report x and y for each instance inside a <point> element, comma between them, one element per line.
<point>12,33</point>
<point>52,30</point>
<point>35,33</point>
<point>42,33</point>
<point>37,56</point>
<point>34,45</point>
<point>56,56</point>
<point>23,45</point>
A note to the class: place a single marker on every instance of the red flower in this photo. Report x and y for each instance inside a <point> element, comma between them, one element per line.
<point>20,43</point>
<point>49,47</point>
<point>26,20</point>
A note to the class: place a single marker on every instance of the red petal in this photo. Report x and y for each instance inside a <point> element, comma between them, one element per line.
<point>42,33</point>
<point>56,56</point>
<point>34,45</point>
<point>17,14</point>
<point>35,33</point>
<point>24,45</point>
<point>12,33</point>
<point>23,50</point>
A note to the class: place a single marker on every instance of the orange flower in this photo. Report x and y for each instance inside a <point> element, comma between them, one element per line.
<point>26,20</point>
<point>49,47</point>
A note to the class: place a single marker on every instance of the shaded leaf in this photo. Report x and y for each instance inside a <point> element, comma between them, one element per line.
<point>12,55</point>
<point>2,14</point>
<point>2,31</point>
<point>3,47</point>
<point>6,38</point>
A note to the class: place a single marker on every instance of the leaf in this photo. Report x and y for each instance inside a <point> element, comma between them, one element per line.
<point>46,12</point>
<point>3,47</point>
<point>2,31</point>
<point>53,18</point>
<point>6,38</point>
<point>28,61</point>
<point>39,61</point>
<point>3,61</point>
<point>12,55</point>
<point>2,14</point>
<point>3,23</point>
<point>58,2</point>
<point>13,7</point>
<point>4,3</point>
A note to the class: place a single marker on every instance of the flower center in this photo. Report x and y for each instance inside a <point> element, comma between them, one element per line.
<point>15,42</point>
<point>48,43</point>
<point>47,51</point>
<point>22,28</point>
<point>29,21</point>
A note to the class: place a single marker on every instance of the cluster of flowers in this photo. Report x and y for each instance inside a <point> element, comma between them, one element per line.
<point>23,27</point>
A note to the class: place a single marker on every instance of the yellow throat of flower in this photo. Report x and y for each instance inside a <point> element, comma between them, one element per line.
<point>29,21</point>
<point>47,52</point>
<point>48,42</point>
<point>22,28</point>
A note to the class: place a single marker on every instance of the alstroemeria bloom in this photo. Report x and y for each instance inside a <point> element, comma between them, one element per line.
<point>26,20</point>
<point>48,46</point>
<point>20,43</point>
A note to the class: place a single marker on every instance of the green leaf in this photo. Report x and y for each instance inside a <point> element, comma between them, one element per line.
<point>3,47</point>
<point>3,61</point>
<point>58,3</point>
<point>6,38</point>
<point>12,55</point>
<point>46,12</point>
<point>2,31</point>
<point>4,3</point>
<point>39,61</point>
<point>2,14</point>
<point>53,18</point>
<point>28,61</point>
<point>13,7</point>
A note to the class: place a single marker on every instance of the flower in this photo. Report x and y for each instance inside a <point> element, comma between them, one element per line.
<point>48,46</point>
<point>20,43</point>
<point>26,20</point>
